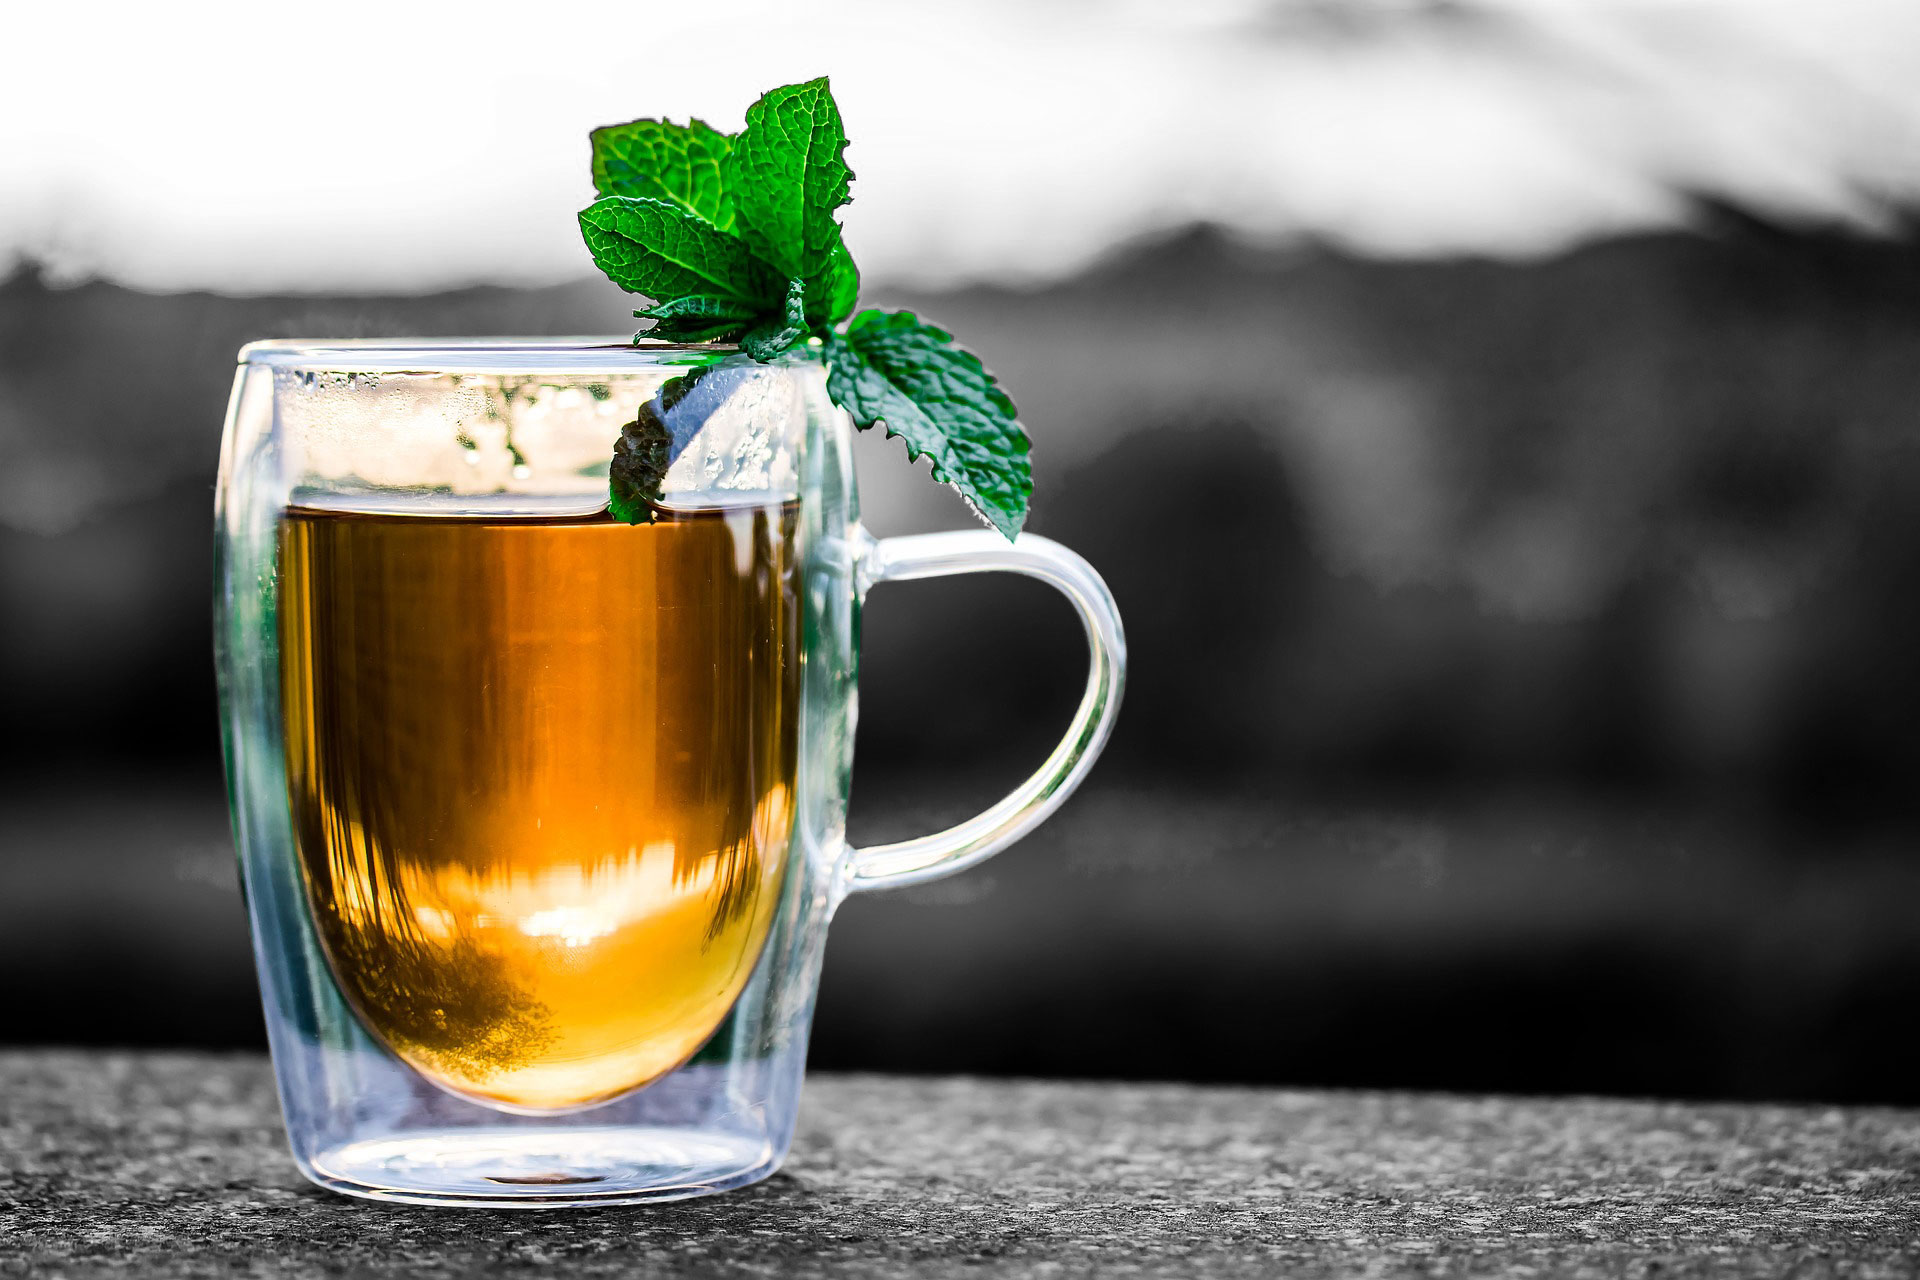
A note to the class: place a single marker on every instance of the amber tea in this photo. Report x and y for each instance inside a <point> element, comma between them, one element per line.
<point>541,774</point>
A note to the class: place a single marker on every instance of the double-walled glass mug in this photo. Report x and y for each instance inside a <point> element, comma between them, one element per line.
<point>541,815</point>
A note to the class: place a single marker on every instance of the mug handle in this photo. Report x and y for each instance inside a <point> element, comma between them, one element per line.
<point>936,555</point>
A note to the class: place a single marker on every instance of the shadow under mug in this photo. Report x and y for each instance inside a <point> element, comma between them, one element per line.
<point>542,817</point>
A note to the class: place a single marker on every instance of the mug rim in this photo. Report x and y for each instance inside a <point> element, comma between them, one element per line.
<point>471,355</point>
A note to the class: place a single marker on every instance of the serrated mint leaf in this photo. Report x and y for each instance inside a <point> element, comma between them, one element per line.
<point>734,239</point>
<point>787,176</point>
<point>698,306</point>
<point>658,249</point>
<point>892,367</point>
<point>663,428</point>
<point>640,460</point>
<point>775,334</point>
<point>674,390</point>
<point>682,164</point>
<point>695,331</point>
<point>833,291</point>
<point>699,317</point>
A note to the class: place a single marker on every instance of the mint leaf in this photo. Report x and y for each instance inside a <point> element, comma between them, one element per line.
<point>788,176</point>
<point>892,367</point>
<point>658,249</point>
<point>833,291</point>
<point>662,429</point>
<point>640,460</point>
<point>735,239</point>
<point>699,317</point>
<point>776,333</point>
<point>682,164</point>
<point>709,227</point>
<point>693,331</point>
<point>674,390</point>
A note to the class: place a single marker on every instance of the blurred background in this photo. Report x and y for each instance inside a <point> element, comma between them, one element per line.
<point>1500,425</point>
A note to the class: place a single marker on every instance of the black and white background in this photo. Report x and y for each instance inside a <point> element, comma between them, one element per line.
<point>1499,423</point>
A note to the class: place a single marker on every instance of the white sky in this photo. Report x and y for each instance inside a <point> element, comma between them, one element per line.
<point>391,146</point>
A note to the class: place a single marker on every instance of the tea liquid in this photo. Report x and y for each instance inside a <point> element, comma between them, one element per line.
<point>541,775</point>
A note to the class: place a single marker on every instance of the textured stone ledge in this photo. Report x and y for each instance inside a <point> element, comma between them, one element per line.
<point>174,1165</point>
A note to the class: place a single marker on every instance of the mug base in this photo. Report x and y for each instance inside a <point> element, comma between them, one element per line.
<point>512,1168</point>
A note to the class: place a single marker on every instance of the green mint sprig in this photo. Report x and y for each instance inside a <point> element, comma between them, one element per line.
<point>733,238</point>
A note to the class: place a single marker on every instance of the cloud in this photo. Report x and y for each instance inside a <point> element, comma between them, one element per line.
<point>402,147</point>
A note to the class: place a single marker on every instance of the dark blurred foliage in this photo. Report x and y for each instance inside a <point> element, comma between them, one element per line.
<point>1521,692</point>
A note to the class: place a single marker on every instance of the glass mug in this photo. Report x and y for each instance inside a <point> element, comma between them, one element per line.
<point>541,816</point>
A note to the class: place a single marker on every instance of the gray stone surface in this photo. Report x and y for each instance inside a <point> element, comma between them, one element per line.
<point>173,1165</point>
